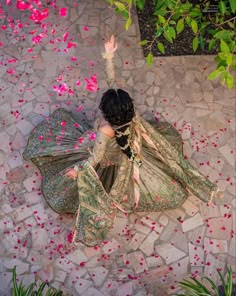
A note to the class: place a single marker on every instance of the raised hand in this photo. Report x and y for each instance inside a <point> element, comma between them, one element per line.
<point>110,46</point>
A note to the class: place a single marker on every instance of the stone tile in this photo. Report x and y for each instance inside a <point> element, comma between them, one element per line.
<point>192,223</point>
<point>141,228</point>
<point>42,109</point>
<point>18,142</point>
<point>179,239</point>
<point>82,285</point>
<point>209,211</point>
<point>147,246</point>
<point>4,145</point>
<point>32,183</point>
<point>22,213</point>
<point>64,264</point>
<point>33,197</point>
<point>180,268</point>
<point>226,152</point>
<point>60,276</point>
<point>21,267</point>
<point>232,251</point>
<point>120,226</point>
<point>74,275</point>
<point>17,175</point>
<point>136,241</point>
<point>196,255</point>
<point>169,253</point>
<point>154,261</point>
<point>15,160</point>
<point>77,257</point>
<point>190,208</point>
<point>109,287</point>
<point>212,245</point>
<point>125,289</point>
<point>92,292</point>
<point>219,228</point>
<point>98,275</point>
<point>137,261</point>
<point>40,214</point>
<point>40,238</point>
<point>176,214</point>
<point>24,126</point>
<point>111,246</point>
<point>164,220</point>
<point>211,266</point>
<point>168,231</point>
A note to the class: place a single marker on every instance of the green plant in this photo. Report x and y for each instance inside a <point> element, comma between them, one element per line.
<point>172,16</point>
<point>32,289</point>
<point>194,287</point>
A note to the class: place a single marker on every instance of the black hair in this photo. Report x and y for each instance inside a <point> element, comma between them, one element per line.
<point>118,110</point>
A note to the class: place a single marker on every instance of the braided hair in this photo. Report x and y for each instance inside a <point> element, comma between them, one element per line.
<point>118,110</point>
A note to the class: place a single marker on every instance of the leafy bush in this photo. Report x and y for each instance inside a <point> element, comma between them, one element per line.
<point>194,287</point>
<point>172,16</point>
<point>32,289</point>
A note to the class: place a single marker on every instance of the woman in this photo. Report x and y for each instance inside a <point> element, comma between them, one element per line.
<point>124,163</point>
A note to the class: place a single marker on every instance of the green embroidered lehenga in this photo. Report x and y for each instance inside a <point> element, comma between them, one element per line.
<point>107,181</point>
<point>106,178</point>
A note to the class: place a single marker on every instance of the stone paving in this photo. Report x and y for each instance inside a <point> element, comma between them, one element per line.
<point>146,253</point>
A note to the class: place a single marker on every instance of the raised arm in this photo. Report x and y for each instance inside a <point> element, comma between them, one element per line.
<point>110,48</point>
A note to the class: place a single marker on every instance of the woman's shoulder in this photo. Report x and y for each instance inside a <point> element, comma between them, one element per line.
<point>106,130</point>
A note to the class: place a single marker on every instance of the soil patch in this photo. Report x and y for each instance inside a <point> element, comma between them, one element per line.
<point>182,45</point>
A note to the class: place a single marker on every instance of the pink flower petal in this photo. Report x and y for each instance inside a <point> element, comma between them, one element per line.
<point>65,36</point>
<point>71,44</point>
<point>21,5</point>
<point>63,11</point>
<point>80,108</point>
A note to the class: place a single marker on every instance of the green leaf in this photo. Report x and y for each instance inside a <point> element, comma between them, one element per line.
<point>216,73</point>
<point>222,7</point>
<point>211,44</point>
<point>168,37</point>
<point>223,34</point>
<point>161,47</point>
<point>120,5</point>
<point>233,67</point>
<point>128,24</point>
<point>194,26</point>
<point>229,59</point>
<point>160,4</point>
<point>143,42</point>
<point>172,32</point>
<point>202,42</point>
<point>232,5</point>
<point>195,43</point>
<point>149,59</point>
<point>188,20</point>
<point>213,285</point>
<point>162,20</point>
<point>224,47</point>
<point>140,4</point>
<point>159,32</point>
<point>124,13</point>
<point>230,83</point>
<point>180,26</point>
<point>231,25</point>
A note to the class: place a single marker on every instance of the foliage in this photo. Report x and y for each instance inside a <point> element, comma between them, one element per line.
<point>172,16</point>
<point>195,288</point>
<point>32,289</point>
